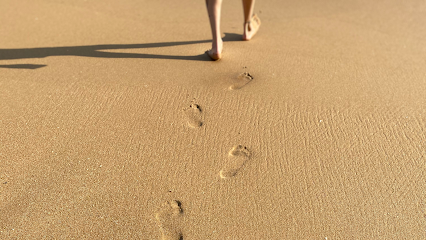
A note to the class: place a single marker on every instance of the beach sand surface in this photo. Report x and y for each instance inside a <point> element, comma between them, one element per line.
<point>114,124</point>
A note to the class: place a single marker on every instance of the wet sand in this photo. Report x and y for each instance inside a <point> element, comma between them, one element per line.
<point>114,124</point>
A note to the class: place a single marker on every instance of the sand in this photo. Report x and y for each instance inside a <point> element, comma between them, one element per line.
<point>114,124</point>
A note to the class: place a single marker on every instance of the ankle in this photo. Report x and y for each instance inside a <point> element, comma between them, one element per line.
<point>217,42</point>
<point>247,26</point>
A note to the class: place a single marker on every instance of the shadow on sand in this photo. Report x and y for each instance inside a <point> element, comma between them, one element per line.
<point>97,51</point>
<point>23,66</point>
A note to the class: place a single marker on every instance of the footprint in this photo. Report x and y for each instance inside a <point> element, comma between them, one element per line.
<point>168,220</point>
<point>241,81</point>
<point>237,156</point>
<point>193,115</point>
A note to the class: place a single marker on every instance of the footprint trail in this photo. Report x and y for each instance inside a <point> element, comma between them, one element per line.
<point>237,156</point>
<point>168,220</point>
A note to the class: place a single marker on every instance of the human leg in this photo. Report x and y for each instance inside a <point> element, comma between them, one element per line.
<point>251,22</point>
<point>214,10</point>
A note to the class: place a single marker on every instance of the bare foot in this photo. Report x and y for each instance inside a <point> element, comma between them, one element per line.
<point>251,27</point>
<point>216,52</point>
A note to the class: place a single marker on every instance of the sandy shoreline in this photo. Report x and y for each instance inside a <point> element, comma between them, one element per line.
<point>109,110</point>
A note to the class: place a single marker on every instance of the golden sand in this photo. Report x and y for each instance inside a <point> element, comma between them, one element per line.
<point>114,124</point>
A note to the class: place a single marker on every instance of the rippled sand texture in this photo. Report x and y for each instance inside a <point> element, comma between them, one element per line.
<point>114,124</point>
